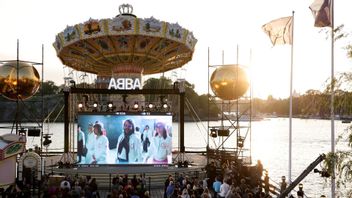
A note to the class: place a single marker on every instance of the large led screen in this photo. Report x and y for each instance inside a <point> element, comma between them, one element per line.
<point>122,138</point>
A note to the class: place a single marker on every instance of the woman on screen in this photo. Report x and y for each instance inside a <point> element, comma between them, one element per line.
<point>91,137</point>
<point>101,146</point>
<point>161,146</point>
<point>128,144</point>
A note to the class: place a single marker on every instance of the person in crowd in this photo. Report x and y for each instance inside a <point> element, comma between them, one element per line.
<point>300,192</point>
<point>224,188</point>
<point>128,144</point>
<point>161,145</point>
<point>91,137</point>
<point>211,173</point>
<point>101,146</point>
<point>206,193</point>
<point>216,186</point>
<point>81,144</point>
<point>283,184</point>
<point>170,189</point>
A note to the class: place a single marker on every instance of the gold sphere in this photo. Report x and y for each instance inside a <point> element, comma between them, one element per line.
<point>229,82</point>
<point>27,84</point>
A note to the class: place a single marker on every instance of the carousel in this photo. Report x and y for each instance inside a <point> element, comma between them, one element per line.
<point>119,51</point>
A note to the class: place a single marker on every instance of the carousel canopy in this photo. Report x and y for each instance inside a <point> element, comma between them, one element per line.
<point>125,44</point>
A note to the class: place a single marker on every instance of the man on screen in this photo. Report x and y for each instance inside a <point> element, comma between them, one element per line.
<point>101,146</point>
<point>81,144</point>
<point>145,138</point>
<point>161,145</point>
<point>128,144</point>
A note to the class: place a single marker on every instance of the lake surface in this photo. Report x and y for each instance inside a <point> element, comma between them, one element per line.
<point>310,138</point>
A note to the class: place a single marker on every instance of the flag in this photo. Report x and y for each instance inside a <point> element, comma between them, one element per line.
<point>279,30</point>
<point>321,10</point>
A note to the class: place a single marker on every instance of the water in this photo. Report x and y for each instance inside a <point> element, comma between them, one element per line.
<point>310,137</point>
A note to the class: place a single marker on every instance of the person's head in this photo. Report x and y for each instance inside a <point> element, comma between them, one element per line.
<point>79,128</point>
<point>90,127</point>
<point>128,127</point>
<point>146,127</point>
<point>98,129</point>
<point>283,178</point>
<point>160,130</point>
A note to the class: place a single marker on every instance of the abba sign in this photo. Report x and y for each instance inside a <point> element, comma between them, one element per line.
<point>124,83</point>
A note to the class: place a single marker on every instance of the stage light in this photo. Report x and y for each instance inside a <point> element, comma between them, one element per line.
<point>322,173</point>
<point>165,106</point>
<point>150,105</point>
<point>80,106</point>
<point>95,104</point>
<point>95,107</point>
<point>213,133</point>
<point>135,106</point>
<point>47,140</point>
<point>240,142</point>
<point>73,83</point>
<point>110,105</point>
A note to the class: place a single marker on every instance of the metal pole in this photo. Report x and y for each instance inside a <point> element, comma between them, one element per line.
<point>208,108</point>
<point>182,123</point>
<point>42,118</point>
<point>290,116</point>
<point>66,122</point>
<point>332,101</point>
<point>17,82</point>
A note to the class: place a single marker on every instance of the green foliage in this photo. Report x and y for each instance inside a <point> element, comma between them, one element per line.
<point>49,88</point>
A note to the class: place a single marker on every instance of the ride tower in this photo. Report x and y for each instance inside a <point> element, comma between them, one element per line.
<point>229,136</point>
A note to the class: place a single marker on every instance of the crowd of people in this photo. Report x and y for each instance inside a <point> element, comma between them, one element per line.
<point>221,182</point>
<point>59,186</point>
<point>151,146</point>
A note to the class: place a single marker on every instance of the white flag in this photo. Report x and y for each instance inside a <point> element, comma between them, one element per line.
<point>321,13</point>
<point>279,30</point>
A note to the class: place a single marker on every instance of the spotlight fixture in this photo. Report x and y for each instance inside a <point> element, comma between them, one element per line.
<point>47,140</point>
<point>135,106</point>
<point>150,105</point>
<point>240,142</point>
<point>165,106</point>
<point>110,105</point>
<point>72,83</point>
<point>95,104</point>
<point>95,107</point>
<point>213,133</point>
<point>80,106</point>
<point>323,172</point>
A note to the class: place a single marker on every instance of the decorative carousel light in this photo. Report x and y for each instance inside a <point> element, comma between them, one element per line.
<point>23,86</point>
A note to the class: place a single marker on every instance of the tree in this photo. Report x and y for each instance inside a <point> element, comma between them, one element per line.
<point>49,88</point>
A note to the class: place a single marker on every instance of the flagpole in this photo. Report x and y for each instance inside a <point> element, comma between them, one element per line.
<point>290,116</point>
<point>332,101</point>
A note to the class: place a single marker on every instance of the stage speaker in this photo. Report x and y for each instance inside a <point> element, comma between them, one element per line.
<point>33,132</point>
<point>223,132</point>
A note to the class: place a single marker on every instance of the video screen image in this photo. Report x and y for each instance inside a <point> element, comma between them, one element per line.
<point>124,139</point>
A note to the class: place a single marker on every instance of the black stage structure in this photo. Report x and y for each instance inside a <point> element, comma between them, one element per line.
<point>175,91</point>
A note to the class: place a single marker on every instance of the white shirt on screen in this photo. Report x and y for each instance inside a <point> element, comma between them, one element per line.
<point>101,149</point>
<point>135,151</point>
<point>160,148</point>
<point>91,137</point>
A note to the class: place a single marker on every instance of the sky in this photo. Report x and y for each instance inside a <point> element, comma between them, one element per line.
<point>232,28</point>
